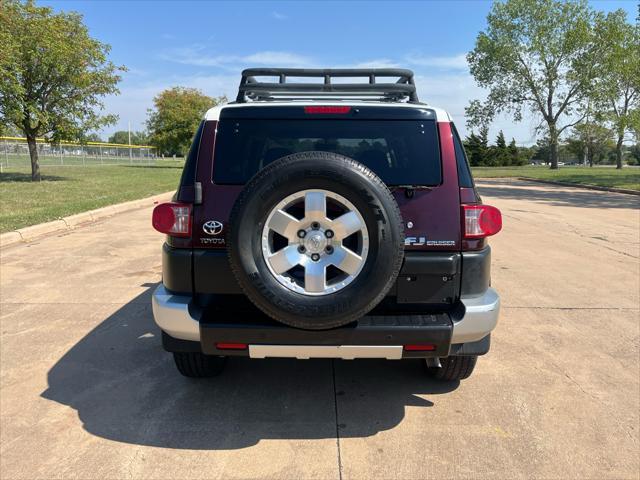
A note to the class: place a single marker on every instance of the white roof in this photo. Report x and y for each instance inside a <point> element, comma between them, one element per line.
<point>214,113</point>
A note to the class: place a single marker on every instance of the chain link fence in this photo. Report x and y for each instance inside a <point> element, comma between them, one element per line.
<point>14,152</point>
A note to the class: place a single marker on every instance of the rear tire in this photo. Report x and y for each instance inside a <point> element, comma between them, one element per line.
<point>453,368</point>
<point>198,365</point>
<point>331,174</point>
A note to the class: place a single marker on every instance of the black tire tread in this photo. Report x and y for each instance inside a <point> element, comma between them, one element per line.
<point>454,368</point>
<point>198,365</point>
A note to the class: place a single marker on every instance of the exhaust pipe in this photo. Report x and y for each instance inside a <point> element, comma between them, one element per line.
<point>433,362</point>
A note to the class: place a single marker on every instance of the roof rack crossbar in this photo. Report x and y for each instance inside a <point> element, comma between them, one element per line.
<point>252,89</point>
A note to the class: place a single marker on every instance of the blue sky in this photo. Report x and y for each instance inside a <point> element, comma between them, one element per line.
<point>206,45</point>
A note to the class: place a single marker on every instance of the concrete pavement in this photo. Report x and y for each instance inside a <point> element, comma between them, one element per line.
<point>87,392</point>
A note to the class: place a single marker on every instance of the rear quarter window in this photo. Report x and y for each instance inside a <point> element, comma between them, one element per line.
<point>464,172</point>
<point>188,176</point>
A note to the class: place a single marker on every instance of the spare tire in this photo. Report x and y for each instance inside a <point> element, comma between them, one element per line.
<point>315,240</point>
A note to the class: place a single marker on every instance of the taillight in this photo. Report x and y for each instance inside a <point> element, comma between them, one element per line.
<point>481,221</point>
<point>231,346</point>
<point>173,219</point>
<point>419,348</point>
<point>326,110</point>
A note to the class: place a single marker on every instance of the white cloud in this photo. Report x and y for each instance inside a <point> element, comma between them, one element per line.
<point>451,91</point>
<point>197,55</point>
<point>376,63</point>
<point>279,16</point>
<point>277,59</point>
<point>454,62</point>
<point>138,72</point>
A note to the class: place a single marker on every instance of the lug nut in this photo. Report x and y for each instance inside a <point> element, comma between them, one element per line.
<point>315,257</point>
<point>301,249</point>
<point>328,234</point>
<point>329,249</point>
<point>302,233</point>
<point>315,225</point>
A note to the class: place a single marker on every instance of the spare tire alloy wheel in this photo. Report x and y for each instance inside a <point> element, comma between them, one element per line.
<point>315,240</point>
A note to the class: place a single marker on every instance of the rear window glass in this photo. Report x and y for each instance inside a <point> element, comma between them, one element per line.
<point>401,152</point>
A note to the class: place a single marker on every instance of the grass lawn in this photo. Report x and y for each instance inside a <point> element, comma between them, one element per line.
<point>628,177</point>
<point>65,190</point>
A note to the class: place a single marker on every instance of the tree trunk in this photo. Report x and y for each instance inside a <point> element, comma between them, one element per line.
<point>33,153</point>
<point>553,146</point>
<point>619,151</point>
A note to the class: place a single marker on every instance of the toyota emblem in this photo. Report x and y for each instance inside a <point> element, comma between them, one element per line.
<point>212,227</point>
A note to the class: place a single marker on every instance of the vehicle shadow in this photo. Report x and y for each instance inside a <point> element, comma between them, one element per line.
<point>126,388</point>
<point>179,167</point>
<point>554,195</point>
<point>26,177</point>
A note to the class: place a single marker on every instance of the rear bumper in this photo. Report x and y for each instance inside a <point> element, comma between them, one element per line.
<point>465,331</point>
<point>433,278</point>
<point>480,317</point>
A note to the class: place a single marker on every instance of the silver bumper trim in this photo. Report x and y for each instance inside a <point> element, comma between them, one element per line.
<point>171,313</point>
<point>480,318</point>
<point>346,352</point>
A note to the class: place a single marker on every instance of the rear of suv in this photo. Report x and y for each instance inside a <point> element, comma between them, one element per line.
<point>326,214</point>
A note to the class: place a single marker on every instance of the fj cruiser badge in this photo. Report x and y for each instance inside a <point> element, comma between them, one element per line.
<point>212,227</point>
<point>421,241</point>
<point>417,241</point>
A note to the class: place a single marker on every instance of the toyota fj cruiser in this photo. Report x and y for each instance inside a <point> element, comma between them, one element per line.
<point>326,213</point>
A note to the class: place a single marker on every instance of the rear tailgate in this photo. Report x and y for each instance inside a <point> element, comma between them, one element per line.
<point>243,144</point>
<point>431,212</point>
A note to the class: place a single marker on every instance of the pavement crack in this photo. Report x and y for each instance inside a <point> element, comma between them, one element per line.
<point>335,406</point>
<point>580,386</point>
<point>589,239</point>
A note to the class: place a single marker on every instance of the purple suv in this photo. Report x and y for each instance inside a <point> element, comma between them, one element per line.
<point>326,217</point>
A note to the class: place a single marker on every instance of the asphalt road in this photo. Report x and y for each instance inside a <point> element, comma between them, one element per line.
<point>87,392</point>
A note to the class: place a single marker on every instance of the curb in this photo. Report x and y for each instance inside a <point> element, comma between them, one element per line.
<point>578,185</point>
<point>71,222</point>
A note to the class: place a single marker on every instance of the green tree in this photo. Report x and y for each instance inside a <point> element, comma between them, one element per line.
<point>514,153</point>
<point>52,75</point>
<point>9,130</point>
<point>577,148</point>
<point>618,84</point>
<point>477,147</point>
<point>471,146</point>
<point>175,117</point>
<point>92,137</point>
<point>500,152</point>
<point>634,124</point>
<point>122,136</point>
<point>595,140</point>
<point>634,154</point>
<point>483,137</point>
<point>527,153</point>
<point>536,55</point>
<point>542,152</point>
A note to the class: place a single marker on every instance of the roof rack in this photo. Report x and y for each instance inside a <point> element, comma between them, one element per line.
<point>403,88</point>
